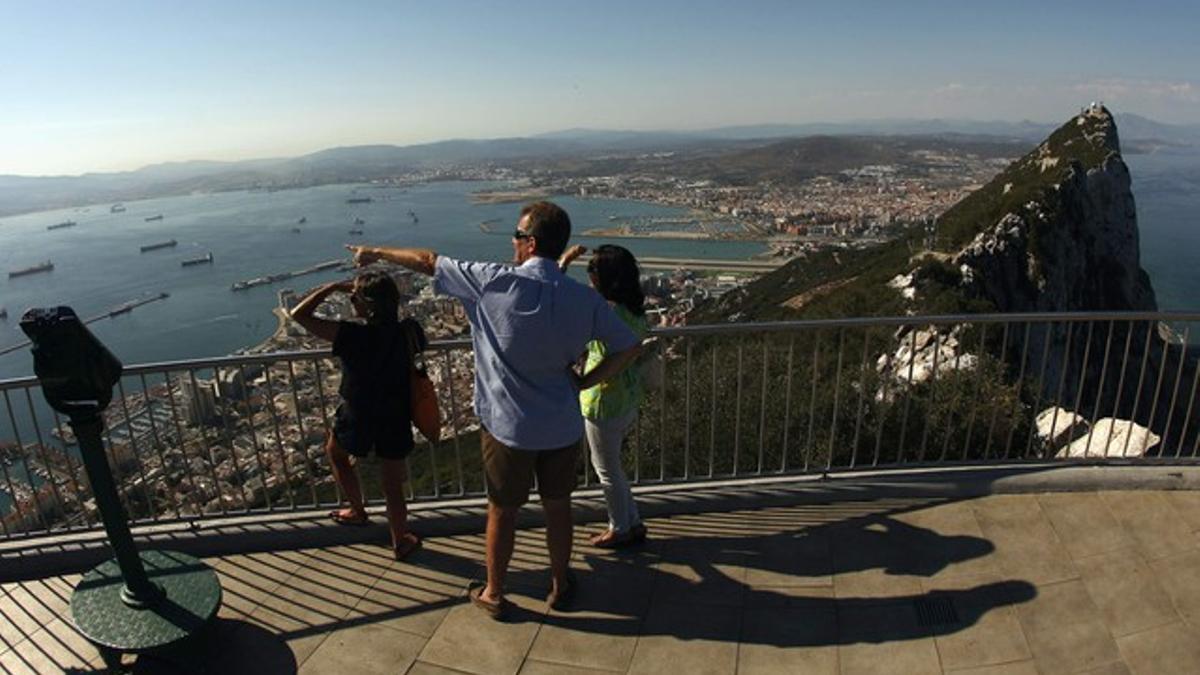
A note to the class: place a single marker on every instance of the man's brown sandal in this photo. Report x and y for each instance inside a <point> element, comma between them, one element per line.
<point>408,545</point>
<point>497,611</point>
<point>561,598</point>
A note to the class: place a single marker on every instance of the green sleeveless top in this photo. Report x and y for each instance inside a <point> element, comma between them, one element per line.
<point>621,393</point>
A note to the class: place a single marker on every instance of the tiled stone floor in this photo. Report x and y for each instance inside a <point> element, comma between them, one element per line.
<point>1103,582</point>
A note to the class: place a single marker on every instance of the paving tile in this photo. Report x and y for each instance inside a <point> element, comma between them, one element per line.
<point>1150,520</point>
<point>1186,504</point>
<point>1084,523</point>
<point>677,638</point>
<point>534,667</point>
<point>789,640</point>
<point>884,638</point>
<point>390,651</point>
<point>469,641</point>
<point>602,630</point>
<point>1065,629</point>
<point>231,647</point>
<point>948,543</point>
<point>1027,547</point>
<point>1015,668</point>
<point>771,597</point>
<point>1115,668</point>
<point>1179,576</point>
<point>1174,648</point>
<point>411,597</point>
<point>995,637</point>
<point>694,573</point>
<point>423,668</point>
<point>871,558</point>
<point>1126,591</point>
<point>801,558</point>
<point>56,649</point>
<point>301,637</point>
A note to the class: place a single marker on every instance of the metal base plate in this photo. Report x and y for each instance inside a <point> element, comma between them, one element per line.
<point>192,598</point>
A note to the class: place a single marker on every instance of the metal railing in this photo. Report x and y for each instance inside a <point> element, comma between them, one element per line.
<point>245,434</point>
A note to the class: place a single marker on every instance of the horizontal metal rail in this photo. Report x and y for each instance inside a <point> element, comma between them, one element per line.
<point>245,434</point>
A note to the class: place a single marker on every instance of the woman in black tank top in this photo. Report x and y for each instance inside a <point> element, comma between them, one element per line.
<point>374,411</point>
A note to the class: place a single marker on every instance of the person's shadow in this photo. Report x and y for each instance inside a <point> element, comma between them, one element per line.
<point>687,577</point>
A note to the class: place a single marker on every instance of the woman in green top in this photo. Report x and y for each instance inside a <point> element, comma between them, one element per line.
<point>610,408</point>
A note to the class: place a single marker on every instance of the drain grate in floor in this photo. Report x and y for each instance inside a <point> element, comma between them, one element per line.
<point>935,611</point>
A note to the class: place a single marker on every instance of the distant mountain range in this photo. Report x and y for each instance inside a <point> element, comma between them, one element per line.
<point>19,194</point>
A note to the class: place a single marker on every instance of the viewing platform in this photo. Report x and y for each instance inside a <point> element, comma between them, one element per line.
<point>962,494</point>
<point>980,571</point>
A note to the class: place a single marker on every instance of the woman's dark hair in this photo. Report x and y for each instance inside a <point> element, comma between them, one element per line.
<point>617,277</point>
<point>379,296</point>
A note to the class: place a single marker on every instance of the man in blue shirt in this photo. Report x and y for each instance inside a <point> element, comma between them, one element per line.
<point>529,324</point>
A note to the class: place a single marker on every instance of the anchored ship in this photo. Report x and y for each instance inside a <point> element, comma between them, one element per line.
<point>359,221</point>
<point>42,267</point>
<point>359,200</point>
<point>303,220</point>
<point>59,226</point>
<point>356,231</point>
<point>157,217</point>
<point>162,244</point>
<point>117,208</point>
<point>206,258</point>
<point>3,313</point>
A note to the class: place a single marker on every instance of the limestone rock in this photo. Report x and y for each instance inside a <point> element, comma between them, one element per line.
<point>1057,427</point>
<point>1112,438</point>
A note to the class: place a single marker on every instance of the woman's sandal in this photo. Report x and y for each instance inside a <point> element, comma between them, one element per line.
<point>409,545</point>
<point>339,516</point>
<point>609,539</point>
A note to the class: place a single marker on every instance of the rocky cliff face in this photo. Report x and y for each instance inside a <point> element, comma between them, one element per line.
<point>1056,231</point>
<point>1075,246</point>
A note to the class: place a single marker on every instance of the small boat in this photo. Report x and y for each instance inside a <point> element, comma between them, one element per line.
<point>157,217</point>
<point>359,221</point>
<point>162,244</point>
<point>303,220</point>
<point>59,226</point>
<point>42,267</point>
<point>3,313</point>
<point>356,231</point>
<point>117,208</point>
<point>206,258</point>
<point>296,230</point>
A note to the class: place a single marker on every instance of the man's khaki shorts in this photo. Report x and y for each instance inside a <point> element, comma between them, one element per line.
<point>509,471</point>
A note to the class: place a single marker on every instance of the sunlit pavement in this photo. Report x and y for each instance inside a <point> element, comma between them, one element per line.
<point>1104,582</point>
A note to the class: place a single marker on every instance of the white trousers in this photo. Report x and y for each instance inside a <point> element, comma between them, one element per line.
<point>604,439</point>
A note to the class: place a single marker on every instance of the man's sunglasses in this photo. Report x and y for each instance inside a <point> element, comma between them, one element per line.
<point>518,234</point>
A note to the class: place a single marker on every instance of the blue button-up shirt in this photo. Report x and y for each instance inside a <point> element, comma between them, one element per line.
<point>529,323</point>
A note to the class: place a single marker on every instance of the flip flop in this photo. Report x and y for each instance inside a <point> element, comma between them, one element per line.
<point>340,519</point>
<point>411,544</point>
<point>498,611</point>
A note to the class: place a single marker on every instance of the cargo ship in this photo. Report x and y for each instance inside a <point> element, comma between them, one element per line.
<point>43,267</point>
<point>117,208</point>
<point>359,200</point>
<point>162,244</point>
<point>283,276</point>
<point>356,231</point>
<point>59,226</point>
<point>157,217</point>
<point>206,258</point>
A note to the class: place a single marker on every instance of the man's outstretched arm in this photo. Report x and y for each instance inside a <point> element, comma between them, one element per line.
<point>420,260</point>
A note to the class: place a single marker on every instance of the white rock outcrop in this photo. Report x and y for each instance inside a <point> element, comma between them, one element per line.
<point>1112,438</point>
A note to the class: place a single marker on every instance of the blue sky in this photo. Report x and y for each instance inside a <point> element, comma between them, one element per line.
<point>87,86</point>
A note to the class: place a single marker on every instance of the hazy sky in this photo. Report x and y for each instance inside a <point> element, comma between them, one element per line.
<point>87,86</point>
